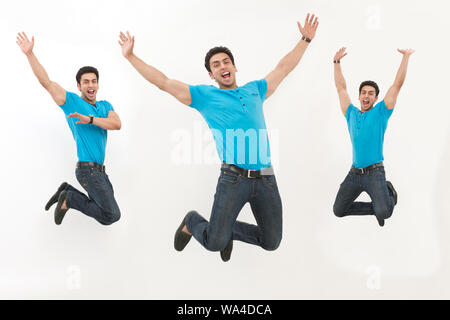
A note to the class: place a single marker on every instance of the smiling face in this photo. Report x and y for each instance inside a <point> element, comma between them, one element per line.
<point>367,98</point>
<point>223,71</point>
<point>88,87</point>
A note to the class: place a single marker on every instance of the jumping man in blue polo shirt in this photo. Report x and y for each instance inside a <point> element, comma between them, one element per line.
<point>367,127</point>
<point>235,116</point>
<point>89,120</point>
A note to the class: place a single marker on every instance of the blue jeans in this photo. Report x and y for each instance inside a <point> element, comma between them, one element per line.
<point>100,204</point>
<point>374,183</point>
<point>232,193</point>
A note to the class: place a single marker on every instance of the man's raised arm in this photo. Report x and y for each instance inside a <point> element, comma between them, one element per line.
<point>175,88</point>
<point>339,81</point>
<point>56,91</point>
<point>391,96</point>
<point>291,60</point>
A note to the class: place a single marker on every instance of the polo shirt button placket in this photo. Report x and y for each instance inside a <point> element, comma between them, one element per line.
<point>240,98</point>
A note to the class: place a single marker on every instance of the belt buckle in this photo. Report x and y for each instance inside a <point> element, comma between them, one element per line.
<point>249,174</point>
<point>362,170</point>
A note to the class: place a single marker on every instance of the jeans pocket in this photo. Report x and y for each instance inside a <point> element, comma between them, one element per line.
<point>82,175</point>
<point>269,181</point>
<point>378,172</point>
<point>228,177</point>
<point>98,179</point>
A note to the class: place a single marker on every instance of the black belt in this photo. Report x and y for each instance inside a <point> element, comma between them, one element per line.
<point>251,174</point>
<point>90,164</point>
<point>366,169</point>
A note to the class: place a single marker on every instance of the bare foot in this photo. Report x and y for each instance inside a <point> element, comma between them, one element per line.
<point>64,207</point>
<point>185,230</point>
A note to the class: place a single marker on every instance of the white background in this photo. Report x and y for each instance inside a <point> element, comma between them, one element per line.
<point>321,256</point>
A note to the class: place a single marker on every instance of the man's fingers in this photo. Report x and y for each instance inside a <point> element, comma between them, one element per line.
<point>341,53</point>
<point>25,36</point>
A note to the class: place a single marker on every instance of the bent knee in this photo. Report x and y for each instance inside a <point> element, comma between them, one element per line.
<point>217,243</point>
<point>111,218</point>
<point>272,244</point>
<point>338,212</point>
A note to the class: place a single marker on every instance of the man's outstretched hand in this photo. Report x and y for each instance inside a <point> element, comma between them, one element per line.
<point>127,44</point>
<point>340,54</point>
<point>406,52</point>
<point>24,43</point>
<point>310,27</point>
<point>83,119</point>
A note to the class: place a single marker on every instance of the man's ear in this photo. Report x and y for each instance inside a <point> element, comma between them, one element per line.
<point>79,87</point>
<point>211,75</point>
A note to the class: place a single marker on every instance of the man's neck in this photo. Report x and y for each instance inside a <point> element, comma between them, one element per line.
<point>94,103</point>
<point>234,86</point>
<point>363,111</point>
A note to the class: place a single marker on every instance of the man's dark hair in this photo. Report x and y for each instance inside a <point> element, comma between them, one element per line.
<point>371,84</point>
<point>214,51</point>
<point>86,70</point>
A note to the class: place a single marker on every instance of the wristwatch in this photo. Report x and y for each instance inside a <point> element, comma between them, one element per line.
<point>306,39</point>
<point>92,119</point>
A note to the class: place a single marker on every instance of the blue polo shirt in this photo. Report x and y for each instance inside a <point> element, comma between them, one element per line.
<point>90,139</point>
<point>367,133</point>
<point>236,119</point>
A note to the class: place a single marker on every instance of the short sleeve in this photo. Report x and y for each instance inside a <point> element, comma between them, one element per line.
<point>198,96</point>
<point>68,106</point>
<point>384,111</point>
<point>108,107</point>
<point>351,108</point>
<point>262,88</point>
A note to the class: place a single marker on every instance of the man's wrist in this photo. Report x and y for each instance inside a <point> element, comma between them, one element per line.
<point>336,61</point>
<point>130,56</point>
<point>91,119</point>
<point>306,39</point>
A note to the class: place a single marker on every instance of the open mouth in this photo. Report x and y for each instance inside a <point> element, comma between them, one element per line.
<point>366,103</point>
<point>226,75</point>
<point>91,92</point>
